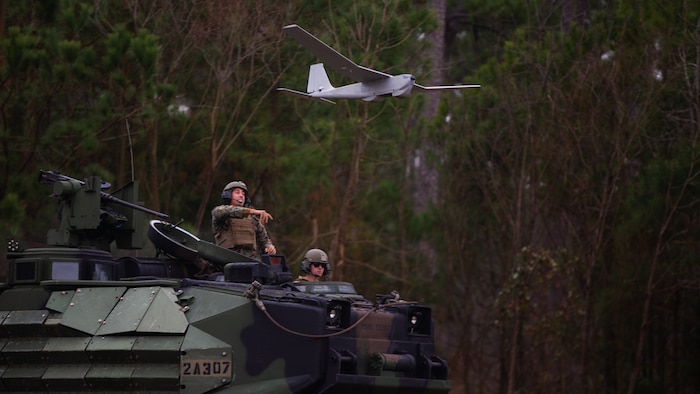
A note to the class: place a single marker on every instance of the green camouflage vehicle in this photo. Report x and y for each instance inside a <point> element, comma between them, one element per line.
<point>73,317</point>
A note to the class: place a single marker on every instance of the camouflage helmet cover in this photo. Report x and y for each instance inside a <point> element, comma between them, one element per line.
<point>236,184</point>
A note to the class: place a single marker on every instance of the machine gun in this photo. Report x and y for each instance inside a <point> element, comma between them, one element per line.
<point>90,217</point>
<point>51,177</point>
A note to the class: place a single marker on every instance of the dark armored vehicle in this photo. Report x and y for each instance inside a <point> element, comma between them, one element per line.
<point>73,317</point>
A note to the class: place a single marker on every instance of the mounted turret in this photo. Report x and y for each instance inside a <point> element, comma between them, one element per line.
<point>90,217</point>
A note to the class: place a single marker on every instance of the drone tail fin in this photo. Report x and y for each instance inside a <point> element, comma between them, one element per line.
<point>318,79</point>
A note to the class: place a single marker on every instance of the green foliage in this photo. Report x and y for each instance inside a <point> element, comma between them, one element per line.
<point>118,43</point>
<point>14,48</point>
<point>541,289</point>
<point>146,52</point>
<point>12,211</point>
<point>69,50</point>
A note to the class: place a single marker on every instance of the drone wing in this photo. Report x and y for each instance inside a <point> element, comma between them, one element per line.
<point>332,58</point>
<point>446,87</point>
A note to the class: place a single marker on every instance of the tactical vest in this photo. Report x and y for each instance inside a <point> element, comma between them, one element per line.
<point>239,235</point>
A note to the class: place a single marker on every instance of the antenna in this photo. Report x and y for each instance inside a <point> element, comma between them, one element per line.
<point>131,149</point>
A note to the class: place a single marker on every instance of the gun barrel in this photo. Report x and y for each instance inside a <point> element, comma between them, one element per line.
<point>119,201</point>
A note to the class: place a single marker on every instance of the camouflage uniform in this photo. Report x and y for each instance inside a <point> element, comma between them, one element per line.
<point>234,228</point>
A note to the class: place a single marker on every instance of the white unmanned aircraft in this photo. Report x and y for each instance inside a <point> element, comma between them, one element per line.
<point>372,85</point>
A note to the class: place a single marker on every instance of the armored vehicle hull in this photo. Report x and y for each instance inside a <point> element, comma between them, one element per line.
<point>76,319</point>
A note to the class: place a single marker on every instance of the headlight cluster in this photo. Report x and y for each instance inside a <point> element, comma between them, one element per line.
<point>337,314</point>
<point>419,320</point>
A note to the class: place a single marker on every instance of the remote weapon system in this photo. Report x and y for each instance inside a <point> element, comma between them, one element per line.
<point>193,317</point>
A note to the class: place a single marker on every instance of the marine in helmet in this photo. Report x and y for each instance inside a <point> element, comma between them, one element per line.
<point>314,266</point>
<point>238,226</point>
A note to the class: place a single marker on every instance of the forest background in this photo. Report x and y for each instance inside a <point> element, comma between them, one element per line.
<point>550,217</point>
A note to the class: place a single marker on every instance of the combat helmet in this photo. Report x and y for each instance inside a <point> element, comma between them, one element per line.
<point>226,193</point>
<point>315,256</point>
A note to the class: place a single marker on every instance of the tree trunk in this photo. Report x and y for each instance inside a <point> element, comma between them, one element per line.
<point>426,174</point>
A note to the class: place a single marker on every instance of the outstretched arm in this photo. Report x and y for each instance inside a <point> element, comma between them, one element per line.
<point>263,215</point>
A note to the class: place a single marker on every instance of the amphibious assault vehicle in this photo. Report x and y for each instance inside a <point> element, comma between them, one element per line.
<point>192,318</point>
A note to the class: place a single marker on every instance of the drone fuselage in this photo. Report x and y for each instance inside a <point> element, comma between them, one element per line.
<point>395,86</point>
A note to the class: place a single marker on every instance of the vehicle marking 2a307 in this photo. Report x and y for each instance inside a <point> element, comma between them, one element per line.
<point>205,368</point>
